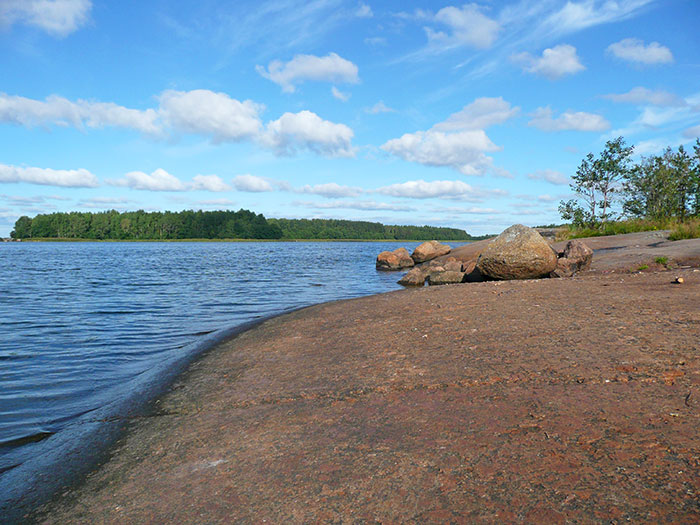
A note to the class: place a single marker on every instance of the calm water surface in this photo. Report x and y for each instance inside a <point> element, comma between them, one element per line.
<point>83,323</point>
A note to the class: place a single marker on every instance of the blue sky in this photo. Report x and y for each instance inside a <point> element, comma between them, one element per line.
<point>471,115</point>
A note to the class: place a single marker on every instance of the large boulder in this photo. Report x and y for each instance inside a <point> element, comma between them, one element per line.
<point>415,277</point>
<point>575,257</point>
<point>396,260</point>
<point>517,253</point>
<point>429,250</point>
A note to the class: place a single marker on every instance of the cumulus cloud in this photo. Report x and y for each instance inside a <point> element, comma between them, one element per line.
<point>56,17</point>
<point>252,183</point>
<point>554,63</point>
<point>480,114</point>
<point>331,68</point>
<point>60,111</point>
<point>551,176</point>
<point>344,97</point>
<point>159,180</point>
<point>209,183</point>
<point>467,26</point>
<point>450,189</point>
<point>80,178</point>
<point>202,112</point>
<point>642,95</point>
<point>634,50</point>
<point>543,119</point>
<point>463,151</point>
<point>459,142</point>
<point>331,190</point>
<point>215,114</point>
<point>306,130</point>
<point>379,107</point>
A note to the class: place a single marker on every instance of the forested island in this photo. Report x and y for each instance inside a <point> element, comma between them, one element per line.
<point>190,224</point>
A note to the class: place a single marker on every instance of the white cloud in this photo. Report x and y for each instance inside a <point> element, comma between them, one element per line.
<point>331,68</point>
<point>159,180</point>
<point>252,183</point>
<point>577,121</point>
<point>56,17</point>
<point>306,130</point>
<point>463,151</point>
<point>364,11</point>
<point>551,176</point>
<point>204,112</point>
<point>375,41</point>
<point>468,26</point>
<point>344,97</point>
<point>80,178</point>
<point>547,198</point>
<point>62,112</point>
<point>481,113</point>
<point>634,50</point>
<point>692,133</point>
<point>450,189</point>
<point>554,63</point>
<point>209,183</point>
<point>642,95</point>
<point>379,107</point>
<point>208,113</point>
<point>356,205</point>
<point>575,16</point>
<point>331,189</point>
<point>103,203</point>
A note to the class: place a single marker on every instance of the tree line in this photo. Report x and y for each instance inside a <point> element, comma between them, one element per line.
<point>190,224</point>
<point>610,186</point>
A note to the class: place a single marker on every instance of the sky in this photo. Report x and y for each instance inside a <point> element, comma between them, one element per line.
<point>468,115</point>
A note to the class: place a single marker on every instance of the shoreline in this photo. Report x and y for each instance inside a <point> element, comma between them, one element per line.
<point>190,389</point>
<point>61,239</point>
<point>86,443</point>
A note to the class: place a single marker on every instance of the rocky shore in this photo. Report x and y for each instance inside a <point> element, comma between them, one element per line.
<point>536,401</point>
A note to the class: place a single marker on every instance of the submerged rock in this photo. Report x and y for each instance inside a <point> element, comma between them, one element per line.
<point>429,250</point>
<point>575,258</point>
<point>415,277</point>
<point>396,260</point>
<point>517,253</point>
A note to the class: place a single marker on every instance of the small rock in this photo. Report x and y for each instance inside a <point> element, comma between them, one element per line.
<point>446,277</point>
<point>575,258</point>
<point>429,250</point>
<point>679,280</point>
<point>396,260</point>
<point>415,277</point>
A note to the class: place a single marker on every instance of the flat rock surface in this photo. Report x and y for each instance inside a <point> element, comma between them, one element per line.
<point>540,401</point>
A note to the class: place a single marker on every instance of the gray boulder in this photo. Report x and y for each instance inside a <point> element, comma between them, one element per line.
<point>517,253</point>
<point>446,277</point>
<point>396,260</point>
<point>429,250</point>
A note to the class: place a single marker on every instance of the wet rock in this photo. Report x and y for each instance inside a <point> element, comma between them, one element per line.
<point>446,277</point>
<point>429,250</point>
<point>517,253</point>
<point>575,258</point>
<point>396,260</point>
<point>415,277</point>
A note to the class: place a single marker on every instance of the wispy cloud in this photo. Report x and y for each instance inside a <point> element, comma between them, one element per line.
<point>543,118</point>
<point>56,17</point>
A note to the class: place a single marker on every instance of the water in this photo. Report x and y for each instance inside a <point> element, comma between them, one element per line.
<point>85,326</point>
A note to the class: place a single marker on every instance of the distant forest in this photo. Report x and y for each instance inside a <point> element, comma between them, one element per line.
<point>242,224</point>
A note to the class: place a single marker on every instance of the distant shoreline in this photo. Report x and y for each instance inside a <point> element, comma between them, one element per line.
<point>63,239</point>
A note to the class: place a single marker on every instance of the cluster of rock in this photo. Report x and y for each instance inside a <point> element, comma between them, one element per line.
<point>517,253</point>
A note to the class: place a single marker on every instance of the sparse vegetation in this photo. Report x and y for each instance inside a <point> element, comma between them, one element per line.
<point>660,192</point>
<point>661,260</point>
